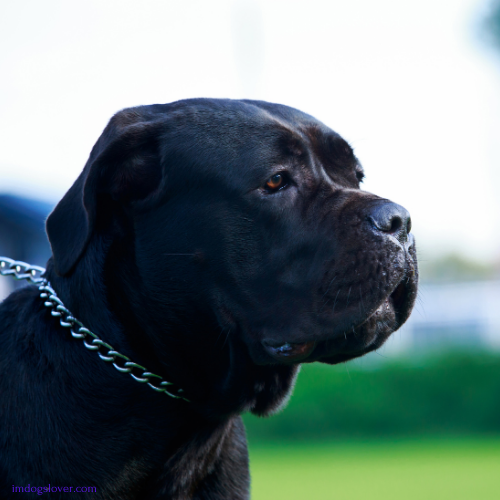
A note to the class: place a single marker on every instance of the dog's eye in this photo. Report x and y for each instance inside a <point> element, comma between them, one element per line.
<point>360,175</point>
<point>276,182</point>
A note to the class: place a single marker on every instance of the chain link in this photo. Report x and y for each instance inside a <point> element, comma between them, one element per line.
<point>34,274</point>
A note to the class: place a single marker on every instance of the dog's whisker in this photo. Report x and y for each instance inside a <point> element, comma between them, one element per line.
<point>361,301</point>
<point>227,336</point>
<point>218,337</point>
<point>335,301</point>
<point>348,295</point>
<point>348,373</point>
<point>327,290</point>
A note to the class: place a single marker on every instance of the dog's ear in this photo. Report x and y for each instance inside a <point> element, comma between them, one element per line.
<point>124,166</point>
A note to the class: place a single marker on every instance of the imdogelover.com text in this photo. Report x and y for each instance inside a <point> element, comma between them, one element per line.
<point>40,490</point>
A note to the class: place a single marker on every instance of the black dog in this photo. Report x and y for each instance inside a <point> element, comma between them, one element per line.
<point>219,244</point>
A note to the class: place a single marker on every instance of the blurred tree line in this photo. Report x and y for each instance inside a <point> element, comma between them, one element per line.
<point>450,394</point>
<point>454,267</point>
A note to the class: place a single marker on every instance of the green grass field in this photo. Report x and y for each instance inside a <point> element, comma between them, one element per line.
<point>404,470</point>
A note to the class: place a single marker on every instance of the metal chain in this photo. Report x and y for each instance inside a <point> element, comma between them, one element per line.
<point>34,274</point>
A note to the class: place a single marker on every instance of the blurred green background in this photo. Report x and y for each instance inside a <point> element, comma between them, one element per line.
<point>420,426</point>
<point>443,395</point>
<point>414,470</point>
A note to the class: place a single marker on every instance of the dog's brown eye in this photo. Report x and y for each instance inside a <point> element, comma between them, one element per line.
<point>275,182</point>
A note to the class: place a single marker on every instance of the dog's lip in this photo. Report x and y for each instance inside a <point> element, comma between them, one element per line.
<point>397,298</point>
<point>289,351</point>
<point>397,303</point>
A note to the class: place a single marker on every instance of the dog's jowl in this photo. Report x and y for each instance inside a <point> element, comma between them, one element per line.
<point>217,244</point>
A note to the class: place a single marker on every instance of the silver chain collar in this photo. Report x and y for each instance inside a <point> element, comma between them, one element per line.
<point>34,274</point>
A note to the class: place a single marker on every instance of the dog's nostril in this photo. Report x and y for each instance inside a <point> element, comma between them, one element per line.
<point>392,219</point>
<point>396,225</point>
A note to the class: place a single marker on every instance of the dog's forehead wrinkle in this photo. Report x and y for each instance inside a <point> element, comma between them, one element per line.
<point>333,155</point>
<point>229,130</point>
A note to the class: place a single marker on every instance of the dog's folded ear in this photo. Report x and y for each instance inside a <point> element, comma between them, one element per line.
<point>124,166</point>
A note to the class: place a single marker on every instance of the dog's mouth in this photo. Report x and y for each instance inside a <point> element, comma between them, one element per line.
<point>304,332</point>
<point>369,334</point>
<point>289,351</point>
<point>395,302</point>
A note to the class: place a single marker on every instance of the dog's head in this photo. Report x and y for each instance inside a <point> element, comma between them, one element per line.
<point>241,231</point>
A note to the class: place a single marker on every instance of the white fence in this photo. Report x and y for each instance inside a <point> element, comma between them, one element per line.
<point>453,314</point>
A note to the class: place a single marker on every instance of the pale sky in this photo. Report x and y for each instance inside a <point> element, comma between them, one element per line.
<point>405,82</point>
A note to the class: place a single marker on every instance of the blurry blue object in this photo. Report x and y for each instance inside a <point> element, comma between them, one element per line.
<point>22,231</point>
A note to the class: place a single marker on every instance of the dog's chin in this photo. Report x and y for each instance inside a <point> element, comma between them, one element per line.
<point>346,342</point>
<point>371,334</point>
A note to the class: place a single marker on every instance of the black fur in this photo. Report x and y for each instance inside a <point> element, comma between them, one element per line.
<point>171,247</point>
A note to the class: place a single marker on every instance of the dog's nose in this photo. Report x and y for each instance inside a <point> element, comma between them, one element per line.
<point>392,219</point>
